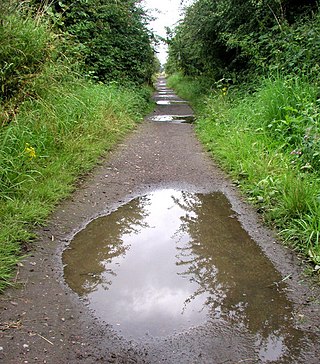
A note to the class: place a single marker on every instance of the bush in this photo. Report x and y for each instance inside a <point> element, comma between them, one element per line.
<point>110,37</point>
<point>222,39</point>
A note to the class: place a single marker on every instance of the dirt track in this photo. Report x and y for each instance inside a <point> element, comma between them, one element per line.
<point>43,321</point>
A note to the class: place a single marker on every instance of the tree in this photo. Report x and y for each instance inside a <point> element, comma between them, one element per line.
<point>228,37</point>
<point>110,36</point>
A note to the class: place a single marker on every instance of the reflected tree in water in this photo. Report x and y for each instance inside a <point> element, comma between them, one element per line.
<point>231,271</point>
<point>87,259</point>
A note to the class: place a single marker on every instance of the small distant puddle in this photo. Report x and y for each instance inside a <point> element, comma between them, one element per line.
<point>177,119</point>
<point>164,90</point>
<point>170,102</point>
<point>167,95</point>
<point>171,260</point>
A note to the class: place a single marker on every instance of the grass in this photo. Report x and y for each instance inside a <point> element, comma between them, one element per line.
<point>54,126</point>
<point>25,46</point>
<point>192,89</point>
<point>54,138</point>
<point>261,140</point>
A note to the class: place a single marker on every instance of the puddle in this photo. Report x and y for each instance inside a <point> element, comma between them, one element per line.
<point>172,260</point>
<point>176,119</point>
<point>167,95</point>
<point>165,91</point>
<point>170,102</point>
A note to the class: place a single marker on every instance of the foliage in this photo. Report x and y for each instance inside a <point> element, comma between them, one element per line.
<point>225,39</point>
<point>289,49</point>
<point>109,36</point>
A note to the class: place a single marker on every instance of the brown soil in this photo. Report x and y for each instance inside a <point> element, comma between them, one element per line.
<point>43,321</point>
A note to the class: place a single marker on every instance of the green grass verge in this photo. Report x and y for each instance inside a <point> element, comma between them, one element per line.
<point>53,139</point>
<point>268,141</point>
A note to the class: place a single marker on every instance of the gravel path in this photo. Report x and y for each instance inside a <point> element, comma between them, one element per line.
<point>43,321</point>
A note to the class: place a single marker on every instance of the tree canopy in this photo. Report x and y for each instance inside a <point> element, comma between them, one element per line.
<point>109,36</point>
<point>227,36</point>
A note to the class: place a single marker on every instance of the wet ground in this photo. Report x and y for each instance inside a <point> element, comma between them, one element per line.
<point>156,259</point>
<point>172,260</point>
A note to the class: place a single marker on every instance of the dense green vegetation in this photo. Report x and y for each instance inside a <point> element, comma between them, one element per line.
<point>110,37</point>
<point>240,39</point>
<point>251,72</point>
<point>63,102</point>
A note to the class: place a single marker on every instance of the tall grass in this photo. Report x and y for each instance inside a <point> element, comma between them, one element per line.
<point>193,89</point>
<point>25,46</point>
<point>260,139</point>
<point>50,142</point>
<point>60,126</point>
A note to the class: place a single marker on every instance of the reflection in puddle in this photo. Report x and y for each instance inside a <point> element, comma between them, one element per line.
<point>170,102</point>
<point>177,119</point>
<point>270,348</point>
<point>171,260</point>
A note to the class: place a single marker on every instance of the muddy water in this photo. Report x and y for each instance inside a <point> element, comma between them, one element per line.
<point>172,260</point>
